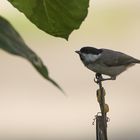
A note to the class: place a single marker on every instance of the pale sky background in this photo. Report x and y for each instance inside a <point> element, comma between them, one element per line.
<point>32,108</point>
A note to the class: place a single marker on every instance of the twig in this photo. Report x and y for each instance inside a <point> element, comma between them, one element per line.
<point>101,120</point>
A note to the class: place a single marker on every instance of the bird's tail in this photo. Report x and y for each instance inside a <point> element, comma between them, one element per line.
<point>136,61</point>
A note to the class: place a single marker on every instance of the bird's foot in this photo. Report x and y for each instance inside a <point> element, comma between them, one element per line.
<point>98,78</point>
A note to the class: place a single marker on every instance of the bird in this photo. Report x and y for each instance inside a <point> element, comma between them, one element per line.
<point>106,61</point>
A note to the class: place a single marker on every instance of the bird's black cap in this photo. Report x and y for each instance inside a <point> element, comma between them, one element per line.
<point>90,50</point>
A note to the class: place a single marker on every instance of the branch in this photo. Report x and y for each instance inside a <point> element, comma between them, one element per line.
<point>101,119</point>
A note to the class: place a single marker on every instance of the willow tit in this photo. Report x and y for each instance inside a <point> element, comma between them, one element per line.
<point>105,61</point>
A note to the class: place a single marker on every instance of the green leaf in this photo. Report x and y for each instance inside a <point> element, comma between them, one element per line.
<point>11,42</point>
<point>56,17</point>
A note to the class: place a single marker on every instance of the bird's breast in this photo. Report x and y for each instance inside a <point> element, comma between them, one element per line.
<point>103,69</point>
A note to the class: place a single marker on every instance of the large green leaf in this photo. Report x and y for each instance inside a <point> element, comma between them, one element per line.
<point>56,17</point>
<point>11,42</point>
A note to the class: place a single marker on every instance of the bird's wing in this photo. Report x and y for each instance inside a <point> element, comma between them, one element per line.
<point>114,58</point>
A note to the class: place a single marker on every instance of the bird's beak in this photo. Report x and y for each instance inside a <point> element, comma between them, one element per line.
<point>78,52</point>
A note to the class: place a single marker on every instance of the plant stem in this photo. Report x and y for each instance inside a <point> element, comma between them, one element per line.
<point>101,120</point>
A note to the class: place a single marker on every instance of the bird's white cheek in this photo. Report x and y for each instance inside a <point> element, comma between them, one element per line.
<point>91,57</point>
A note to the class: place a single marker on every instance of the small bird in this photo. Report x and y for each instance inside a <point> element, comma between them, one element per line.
<point>105,61</point>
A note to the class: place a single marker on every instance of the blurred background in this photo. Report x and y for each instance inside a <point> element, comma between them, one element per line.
<point>32,108</point>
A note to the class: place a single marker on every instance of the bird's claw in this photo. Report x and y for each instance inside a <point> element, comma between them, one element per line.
<point>98,78</point>
<point>96,81</point>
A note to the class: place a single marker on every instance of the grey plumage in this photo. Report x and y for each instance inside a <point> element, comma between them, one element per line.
<point>115,58</point>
